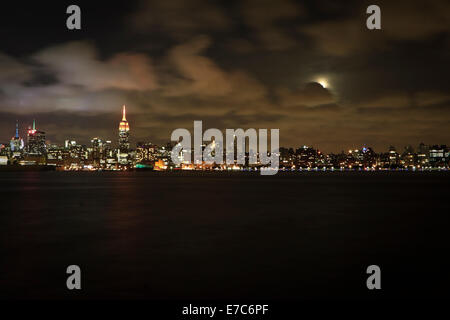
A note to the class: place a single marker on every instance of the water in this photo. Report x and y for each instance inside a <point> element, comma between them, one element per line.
<point>224,235</point>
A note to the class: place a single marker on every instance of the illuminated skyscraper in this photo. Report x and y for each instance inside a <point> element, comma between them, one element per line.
<point>97,154</point>
<point>124,133</point>
<point>36,141</point>
<point>124,143</point>
<point>17,142</point>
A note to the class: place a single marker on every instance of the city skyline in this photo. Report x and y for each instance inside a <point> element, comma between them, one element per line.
<point>17,134</point>
<point>102,154</point>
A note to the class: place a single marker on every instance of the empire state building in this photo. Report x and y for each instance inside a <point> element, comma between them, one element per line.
<point>124,133</point>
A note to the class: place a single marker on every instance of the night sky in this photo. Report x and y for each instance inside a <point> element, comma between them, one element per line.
<point>311,69</point>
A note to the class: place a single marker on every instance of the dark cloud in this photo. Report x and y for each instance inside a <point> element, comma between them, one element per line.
<point>268,19</point>
<point>13,70</point>
<point>200,75</point>
<point>402,20</point>
<point>311,95</point>
<point>77,63</point>
<point>415,20</point>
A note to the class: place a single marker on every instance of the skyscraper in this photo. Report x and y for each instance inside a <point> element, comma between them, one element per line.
<point>16,142</point>
<point>124,143</point>
<point>97,154</point>
<point>36,141</point>
<point>124,133</point>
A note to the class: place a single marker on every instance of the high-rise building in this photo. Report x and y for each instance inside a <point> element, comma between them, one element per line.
<point>305,157</point>
<point>394,157</point>
<point>409,157</point>
<point>124,143</point>
<point>146,152</point>
<point>369,157</point>
<point>423,154</point>
<point>36,141</point>
<point>69,143</point>
<point>108,149</point>
<point>438,155</point>
<point>124,133</point>
<point>16,143</point>
<point>97,154</point>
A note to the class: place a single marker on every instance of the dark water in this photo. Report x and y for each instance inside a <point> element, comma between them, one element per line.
<point>193,235</point>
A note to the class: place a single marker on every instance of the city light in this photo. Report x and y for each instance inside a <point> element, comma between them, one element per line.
<point>102,155</point>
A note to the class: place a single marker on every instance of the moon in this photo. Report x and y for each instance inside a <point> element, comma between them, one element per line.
<point>323,82</point>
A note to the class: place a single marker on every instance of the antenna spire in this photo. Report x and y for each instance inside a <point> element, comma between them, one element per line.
<point>123,114</point>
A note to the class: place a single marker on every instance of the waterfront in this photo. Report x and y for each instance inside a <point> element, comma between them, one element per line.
<point>224,235</point>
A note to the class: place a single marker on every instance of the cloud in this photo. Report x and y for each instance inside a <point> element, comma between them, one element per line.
<point>83,88</point>
<point>415,20</point>
<point>432,98</point>
<point>77,63</point>
<point>201,76</point>
<point>266,18</point>
<point>311,95</point>
<point>261,13</point>
<point>25,99</point>
<point>392,100</point>
<point>339,38</point>
<point>402,100</point>
<point>240,45</point>
<point>12,70</point>
<point>401,20</point>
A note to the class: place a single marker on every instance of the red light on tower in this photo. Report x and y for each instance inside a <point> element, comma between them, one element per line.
<point>32,131</point>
